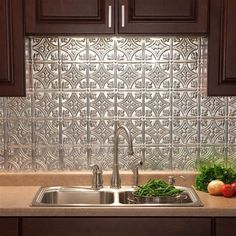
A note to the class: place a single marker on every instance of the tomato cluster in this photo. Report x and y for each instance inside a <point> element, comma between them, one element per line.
<point>229,190</point>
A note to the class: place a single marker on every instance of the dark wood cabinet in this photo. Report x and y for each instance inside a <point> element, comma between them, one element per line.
<point>225,226</point>
<point>116,16</point>
<point>118,226</point>
<point>69,17</point>
<point>163,16</point>
<point>8,227</point>
<point>222,48</point>
<point>114,226</point>
<point>12,69</point>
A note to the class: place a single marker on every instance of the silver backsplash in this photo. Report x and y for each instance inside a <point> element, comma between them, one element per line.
<point>78,89</point>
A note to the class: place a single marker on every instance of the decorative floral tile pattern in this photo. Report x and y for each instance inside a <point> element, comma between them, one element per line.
<point>80,89</point>
<point>184,157</point>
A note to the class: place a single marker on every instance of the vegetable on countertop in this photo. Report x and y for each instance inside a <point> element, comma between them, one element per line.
<point>227,190</point>
<point>157,188</point>
<point>215,187</point>
<point>234,187</point>
<point>209,172</point>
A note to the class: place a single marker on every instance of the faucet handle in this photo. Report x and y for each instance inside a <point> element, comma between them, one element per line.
<point>97,180</point>
<point>135,170</point>
<point>171,179</point>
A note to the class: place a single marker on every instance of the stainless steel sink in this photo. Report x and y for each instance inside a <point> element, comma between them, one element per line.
<point>188,198</point>
<point>123,197</point>
<point>72,196</point>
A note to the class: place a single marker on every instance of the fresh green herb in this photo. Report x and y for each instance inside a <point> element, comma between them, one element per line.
<point>157,188</point>
<point>209,172</point>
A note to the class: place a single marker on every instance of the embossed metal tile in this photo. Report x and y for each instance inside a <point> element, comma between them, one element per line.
<point>80,88</point>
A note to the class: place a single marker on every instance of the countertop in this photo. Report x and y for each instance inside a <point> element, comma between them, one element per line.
<point>16,201</point>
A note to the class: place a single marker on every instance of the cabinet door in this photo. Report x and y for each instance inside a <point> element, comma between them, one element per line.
<point>163,16</point>
<point>12,69</point>
<point>8,226</point>
<point>69,17</point>
<point>116,226</point>
<point>222,48</point>
<point>225,226</point>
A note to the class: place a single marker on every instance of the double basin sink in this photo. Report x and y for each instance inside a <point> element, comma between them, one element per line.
<point>59,196</point>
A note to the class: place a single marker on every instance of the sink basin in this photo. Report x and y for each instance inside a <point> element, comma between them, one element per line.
<point>71,196</point>
<point>188,198</point>
<point>123,197</point>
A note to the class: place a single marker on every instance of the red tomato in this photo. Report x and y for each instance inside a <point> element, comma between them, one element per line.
<point>233,185</point>
<point>227,190</point>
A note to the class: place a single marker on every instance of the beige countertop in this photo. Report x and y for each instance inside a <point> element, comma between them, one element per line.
<point>15,200</point>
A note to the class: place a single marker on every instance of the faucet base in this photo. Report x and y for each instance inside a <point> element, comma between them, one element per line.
<point>115,178</point>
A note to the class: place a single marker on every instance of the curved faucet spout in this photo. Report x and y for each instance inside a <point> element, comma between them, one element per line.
<point>115,178</point>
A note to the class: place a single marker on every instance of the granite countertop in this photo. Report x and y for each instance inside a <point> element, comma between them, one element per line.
<point>16,201</point>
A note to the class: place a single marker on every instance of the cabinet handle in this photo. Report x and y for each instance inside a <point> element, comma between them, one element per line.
<point>109,16</point>
<point>122,16</point>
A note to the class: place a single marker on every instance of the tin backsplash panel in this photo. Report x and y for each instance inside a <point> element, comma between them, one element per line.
<point>79,89</point>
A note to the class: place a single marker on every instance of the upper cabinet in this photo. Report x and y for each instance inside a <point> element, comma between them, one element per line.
<point>222,48</point>
<point>12,69</point>
<point>46,17</point>
<point>65,17</point>
<point>163,16</point>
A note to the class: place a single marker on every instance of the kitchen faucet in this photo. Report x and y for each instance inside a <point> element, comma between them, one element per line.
<point>115,178</point>
<point>97,180</point>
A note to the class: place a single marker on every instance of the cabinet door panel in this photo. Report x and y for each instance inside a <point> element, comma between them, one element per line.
<point>69,16</point>
<point>226,226</point>
<point>12,69</point>
<point>8,226</point>
<point>230,56</point>
<point>222,48</point>
<point>116,226</point>
<point>163,16</point>
<point>4,44</point>
<point>70,9</point>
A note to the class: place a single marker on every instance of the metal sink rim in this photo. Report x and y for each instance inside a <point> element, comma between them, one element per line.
<point>116,203</point>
